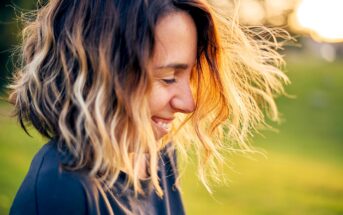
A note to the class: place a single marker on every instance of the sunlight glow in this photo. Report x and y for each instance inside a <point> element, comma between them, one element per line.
<point>251,12</point>
<point>323,18</point>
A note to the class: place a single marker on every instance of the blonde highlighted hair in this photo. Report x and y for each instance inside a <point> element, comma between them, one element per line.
<point>83,81</point>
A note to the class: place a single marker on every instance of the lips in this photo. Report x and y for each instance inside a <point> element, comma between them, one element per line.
<point>162,124</point>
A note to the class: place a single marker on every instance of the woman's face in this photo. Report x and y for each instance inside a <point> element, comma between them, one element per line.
<point>172,62</point>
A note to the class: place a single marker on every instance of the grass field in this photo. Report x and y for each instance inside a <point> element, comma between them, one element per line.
<point>302,174</point>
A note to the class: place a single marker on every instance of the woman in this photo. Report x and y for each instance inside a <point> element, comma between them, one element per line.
<point>117,86</point>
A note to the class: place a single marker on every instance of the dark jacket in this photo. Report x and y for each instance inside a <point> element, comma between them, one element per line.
<point>49,189</point>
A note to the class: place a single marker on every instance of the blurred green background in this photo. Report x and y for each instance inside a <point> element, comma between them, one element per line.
<point>302,172</point>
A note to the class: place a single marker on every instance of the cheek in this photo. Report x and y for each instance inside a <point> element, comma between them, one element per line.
<point>158,98</point>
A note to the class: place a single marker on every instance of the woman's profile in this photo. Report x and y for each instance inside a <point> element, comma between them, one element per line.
<point>119,87</point>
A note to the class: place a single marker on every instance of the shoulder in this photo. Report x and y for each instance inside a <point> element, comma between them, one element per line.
<point>59,190</point>
<point>48,189</point>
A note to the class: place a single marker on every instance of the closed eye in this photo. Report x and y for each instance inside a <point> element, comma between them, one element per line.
<point>169,81</point>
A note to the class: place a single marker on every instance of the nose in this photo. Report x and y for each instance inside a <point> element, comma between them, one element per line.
<point>183,100</point>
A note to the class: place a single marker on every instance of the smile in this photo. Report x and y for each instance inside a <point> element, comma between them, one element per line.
<point>163,124</point>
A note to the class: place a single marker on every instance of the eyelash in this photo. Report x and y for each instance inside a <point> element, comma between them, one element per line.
<point>169,81</point>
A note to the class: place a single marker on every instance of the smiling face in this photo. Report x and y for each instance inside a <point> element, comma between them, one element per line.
<point>171,65</point>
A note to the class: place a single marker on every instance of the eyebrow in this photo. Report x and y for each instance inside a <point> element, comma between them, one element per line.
<point>173,66</point>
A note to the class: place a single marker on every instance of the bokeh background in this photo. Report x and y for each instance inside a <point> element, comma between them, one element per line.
<point>302,170</point>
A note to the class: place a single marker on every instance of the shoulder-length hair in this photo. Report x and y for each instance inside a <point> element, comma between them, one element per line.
<point>83,81</point>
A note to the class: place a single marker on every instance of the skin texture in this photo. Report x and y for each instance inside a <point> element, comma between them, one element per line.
<point>171,65</point>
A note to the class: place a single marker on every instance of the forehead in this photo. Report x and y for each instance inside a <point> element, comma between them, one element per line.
<point>175,40</point>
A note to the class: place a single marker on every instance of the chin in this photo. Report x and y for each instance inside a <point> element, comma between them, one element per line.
<point>159,135</point>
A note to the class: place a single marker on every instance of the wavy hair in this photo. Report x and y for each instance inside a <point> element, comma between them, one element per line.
<point>83,81</point>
